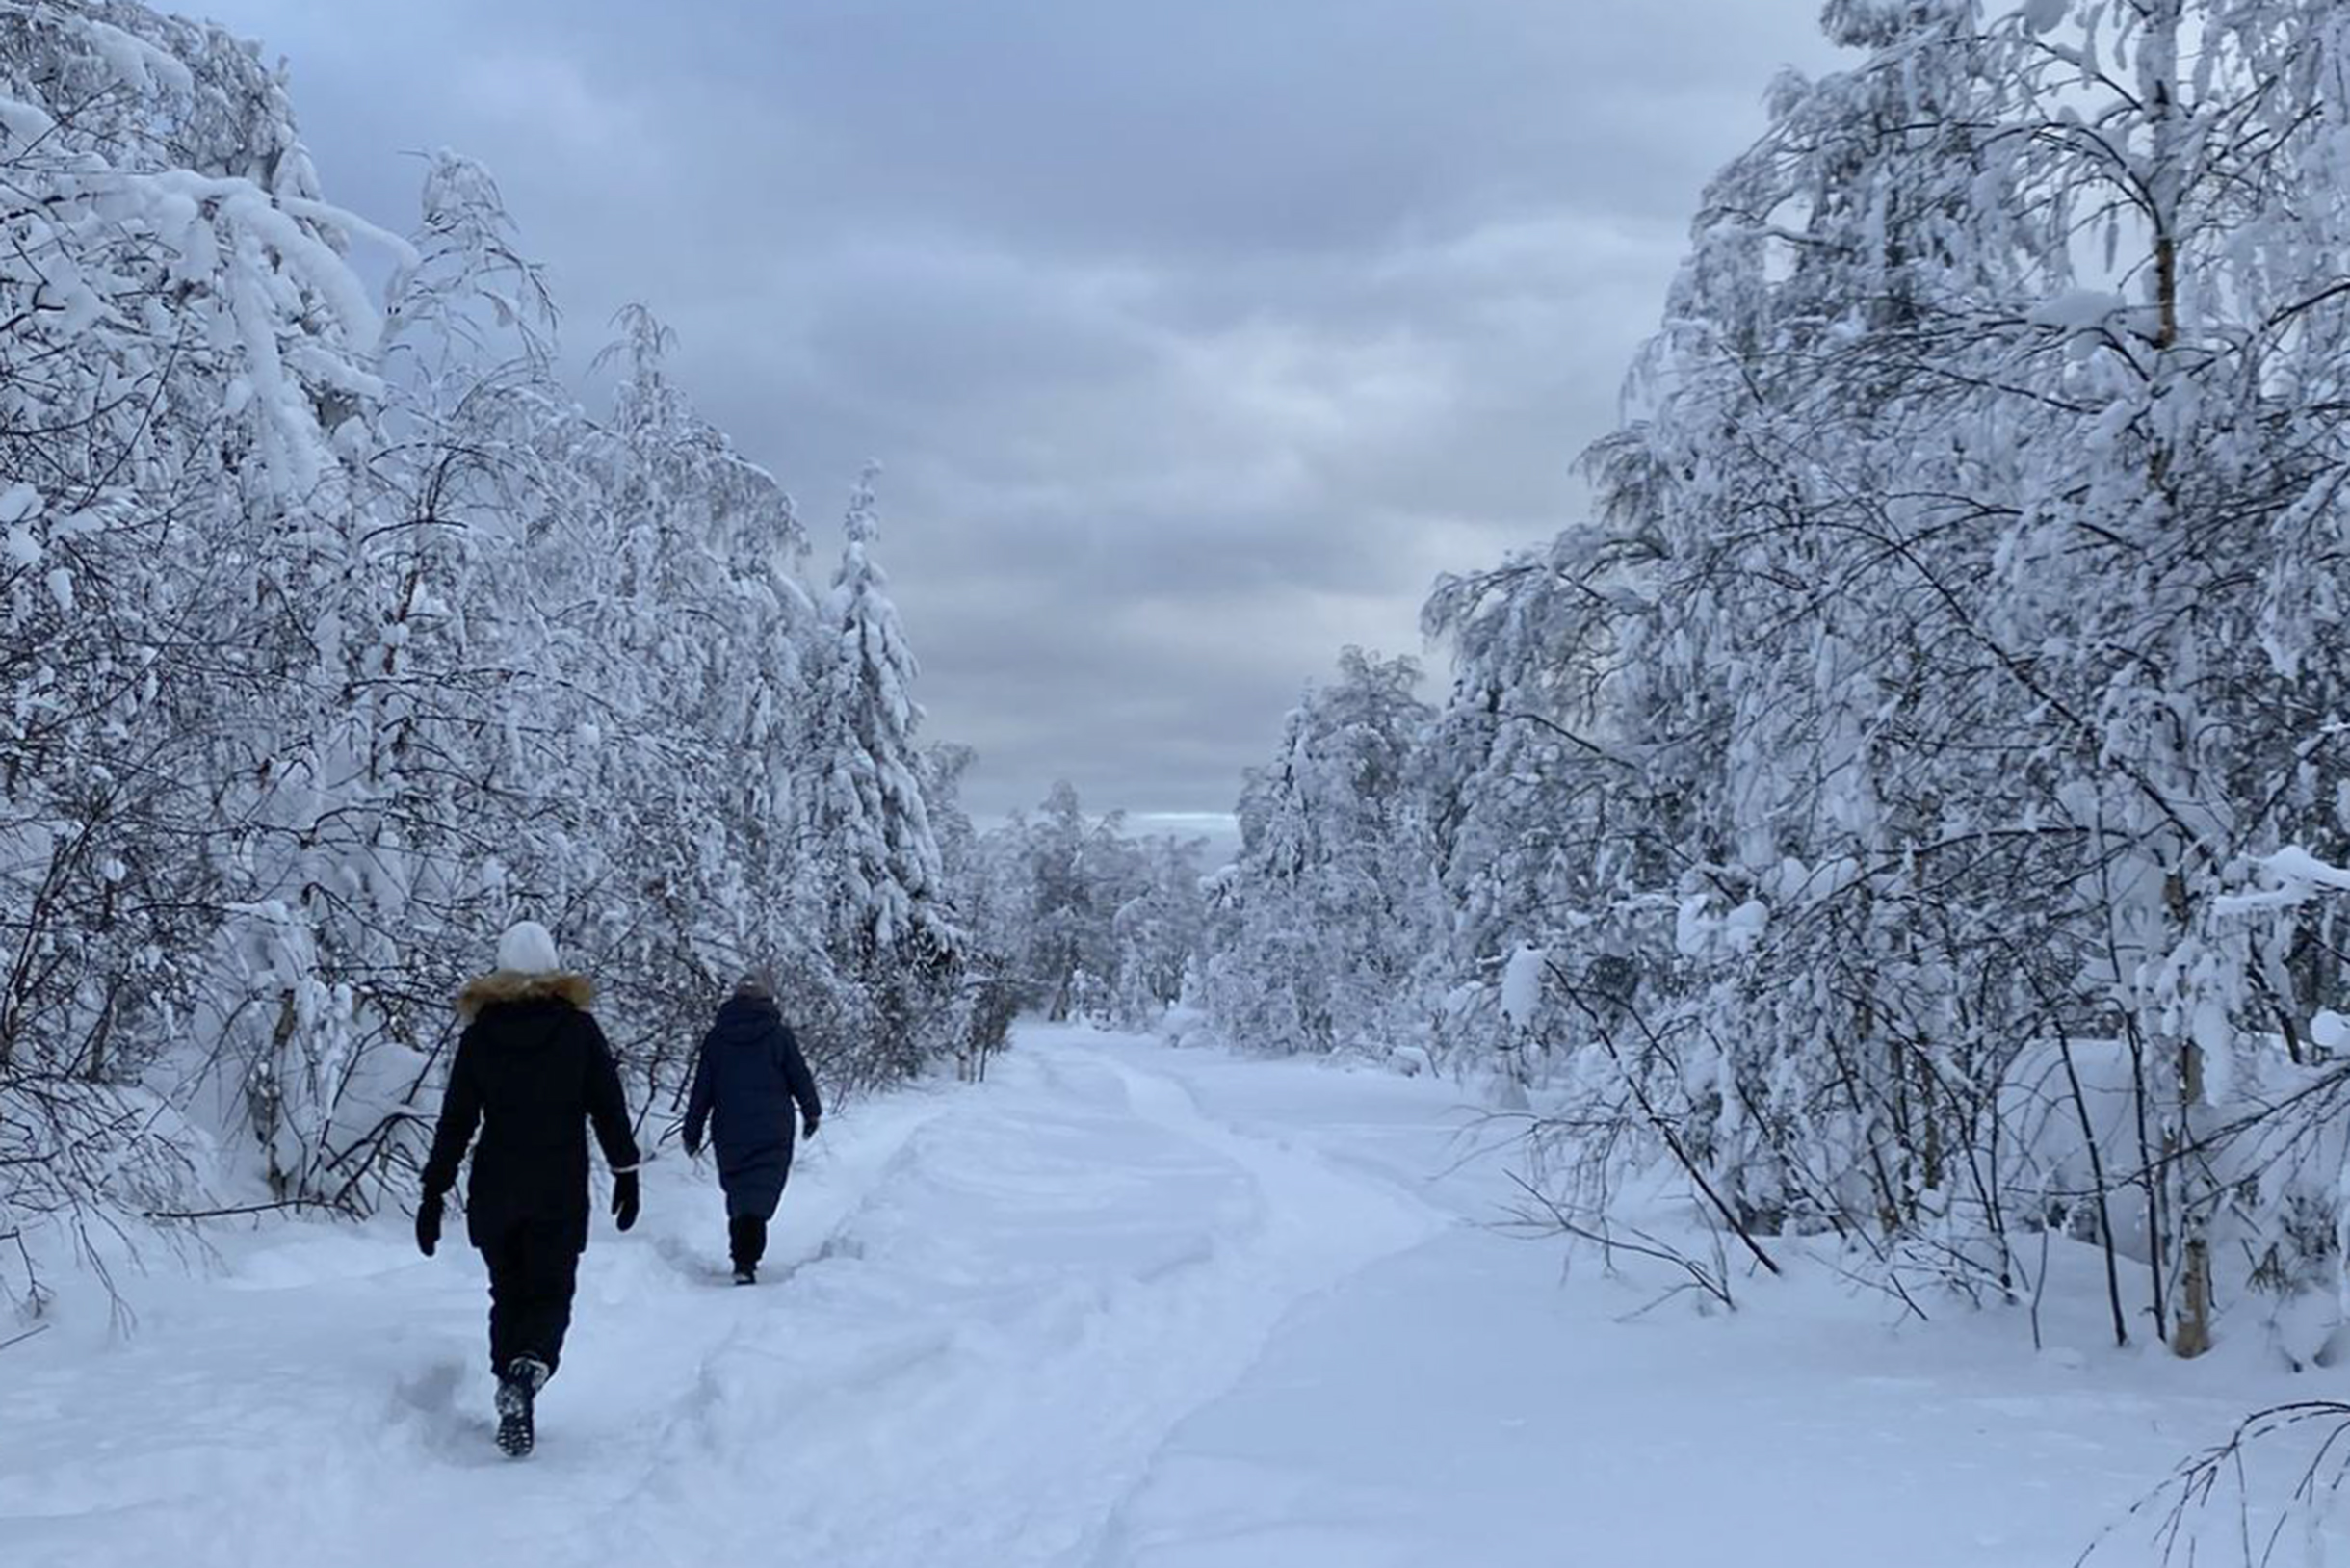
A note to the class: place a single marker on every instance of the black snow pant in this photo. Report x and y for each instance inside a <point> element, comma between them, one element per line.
<point>533,1269</point>
<point>746,1239</point>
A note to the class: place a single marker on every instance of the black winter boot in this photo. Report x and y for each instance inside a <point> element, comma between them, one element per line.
<point>517,1393</point>
<point>746,1239</point>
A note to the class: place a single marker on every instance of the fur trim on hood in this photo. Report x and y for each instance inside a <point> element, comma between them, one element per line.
<point>506,986</point>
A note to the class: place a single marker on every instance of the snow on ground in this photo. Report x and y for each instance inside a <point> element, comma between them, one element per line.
<point>1120,1306</point>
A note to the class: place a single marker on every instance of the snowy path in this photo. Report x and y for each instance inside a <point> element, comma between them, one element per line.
<point>987,1310</point>
<point>1119,1307</point>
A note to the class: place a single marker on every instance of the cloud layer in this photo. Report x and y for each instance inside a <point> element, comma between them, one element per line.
<point>1195,338</point>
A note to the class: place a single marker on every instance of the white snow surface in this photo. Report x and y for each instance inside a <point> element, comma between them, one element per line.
<point>1122,1305</point>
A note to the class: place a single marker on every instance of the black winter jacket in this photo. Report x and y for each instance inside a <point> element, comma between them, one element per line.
<point>532,1072</point>
<point>748,1079</point>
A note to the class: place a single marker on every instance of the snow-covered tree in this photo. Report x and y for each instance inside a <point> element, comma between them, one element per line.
<point>883,882</point>
<point>1160,931</point>
<point>685,691</point>
<point>188,391</point>
<point>1072,873</point>
<point>1328,909</point>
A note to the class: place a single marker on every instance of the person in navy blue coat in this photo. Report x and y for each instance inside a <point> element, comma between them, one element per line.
<point>750,1078</point>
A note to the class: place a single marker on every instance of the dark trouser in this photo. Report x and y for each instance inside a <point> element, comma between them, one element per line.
<point>533,1270</point>
<point>746,1239</point>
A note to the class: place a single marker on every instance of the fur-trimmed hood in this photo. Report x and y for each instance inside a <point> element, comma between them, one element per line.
<point>506,986</point>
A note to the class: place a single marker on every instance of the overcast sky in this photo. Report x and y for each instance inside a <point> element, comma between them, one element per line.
<point>1196,337</point>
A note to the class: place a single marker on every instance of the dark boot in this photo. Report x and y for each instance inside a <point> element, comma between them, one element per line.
<point>747,1241</point>
<point>518,1389</point>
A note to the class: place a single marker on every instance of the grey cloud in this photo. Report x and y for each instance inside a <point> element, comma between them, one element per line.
<point>1195,337</point>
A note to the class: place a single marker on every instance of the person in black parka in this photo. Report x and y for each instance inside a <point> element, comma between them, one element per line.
<point>532,1072</point>
<point>746,1085</point>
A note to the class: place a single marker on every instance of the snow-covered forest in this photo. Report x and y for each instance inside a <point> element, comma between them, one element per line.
<point>1911,810</point>
<point>338,630</point>
<point>1885,870</point>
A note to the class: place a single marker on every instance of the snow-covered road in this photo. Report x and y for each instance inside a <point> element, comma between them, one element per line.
<point>1118,1306</point>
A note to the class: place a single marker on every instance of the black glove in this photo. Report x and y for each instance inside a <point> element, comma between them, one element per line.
<point>694,1147</point>
<point>624,1198</point>
<point>428,1223</point>
<point>807,1124</point>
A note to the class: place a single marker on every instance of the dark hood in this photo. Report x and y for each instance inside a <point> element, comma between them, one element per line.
<point>746,1018</point>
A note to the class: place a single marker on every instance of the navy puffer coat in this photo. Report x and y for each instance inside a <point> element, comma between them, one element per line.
<point>749,1079</point>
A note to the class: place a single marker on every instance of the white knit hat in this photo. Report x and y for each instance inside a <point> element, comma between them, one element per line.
<point>527,948</point>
